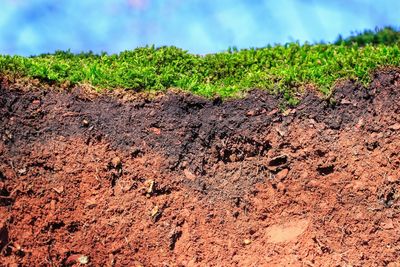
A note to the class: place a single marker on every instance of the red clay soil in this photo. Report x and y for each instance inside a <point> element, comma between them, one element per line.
<point>183,181</point>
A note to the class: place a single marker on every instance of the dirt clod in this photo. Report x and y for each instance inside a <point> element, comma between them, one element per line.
<point>282,174</point>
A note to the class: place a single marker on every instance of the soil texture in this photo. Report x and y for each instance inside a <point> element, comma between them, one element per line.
<point>179,180</point>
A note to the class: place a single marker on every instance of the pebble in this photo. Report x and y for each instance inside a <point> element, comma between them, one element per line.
<point>282,174</point>
<point>116,162</point>
<point>59,189</point>
<point>82,259</point>
<point>85,123</point>
<point>247,242</point>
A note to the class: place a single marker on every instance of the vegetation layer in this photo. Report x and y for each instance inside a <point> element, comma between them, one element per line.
<point>279,69</point>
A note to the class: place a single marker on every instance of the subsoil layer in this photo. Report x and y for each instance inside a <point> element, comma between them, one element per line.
<point>179,180</point>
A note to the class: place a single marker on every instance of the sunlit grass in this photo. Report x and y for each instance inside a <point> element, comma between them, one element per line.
<point>279,69</point>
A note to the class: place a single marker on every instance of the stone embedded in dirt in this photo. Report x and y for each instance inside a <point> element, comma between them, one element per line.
<point>116,163</point>
<point>155,213</point>
<point>77,258</point>
<point>59,189</point>
<point>8,134</point>
<point>246,242</point>
<point>83,259</point>
<point>85,123</point>
<point>372,145</point>
<point>282,174</point>
<point>22,171</point>
<point>151,184</point>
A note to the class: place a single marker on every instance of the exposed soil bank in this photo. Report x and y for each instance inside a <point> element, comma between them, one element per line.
<point>183,181</point>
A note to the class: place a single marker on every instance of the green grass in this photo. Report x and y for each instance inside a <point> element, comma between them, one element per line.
<point>280,69</point>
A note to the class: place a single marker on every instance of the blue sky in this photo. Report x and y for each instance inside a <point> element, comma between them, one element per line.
<point>30,27</point>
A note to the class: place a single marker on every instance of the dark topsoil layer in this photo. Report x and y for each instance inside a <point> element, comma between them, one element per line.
<point>183,181</point>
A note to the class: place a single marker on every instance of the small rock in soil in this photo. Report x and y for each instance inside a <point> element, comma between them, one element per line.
<point>116,163</point>
<point>83,259</point>
<point>246,242</point>
<point>150,187</point>
<point>85,123</point>
<point>73,259</point>
<point>282,174</point>
<point>22,171</point>
<point>155,214</point>
<point>59,189</point>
